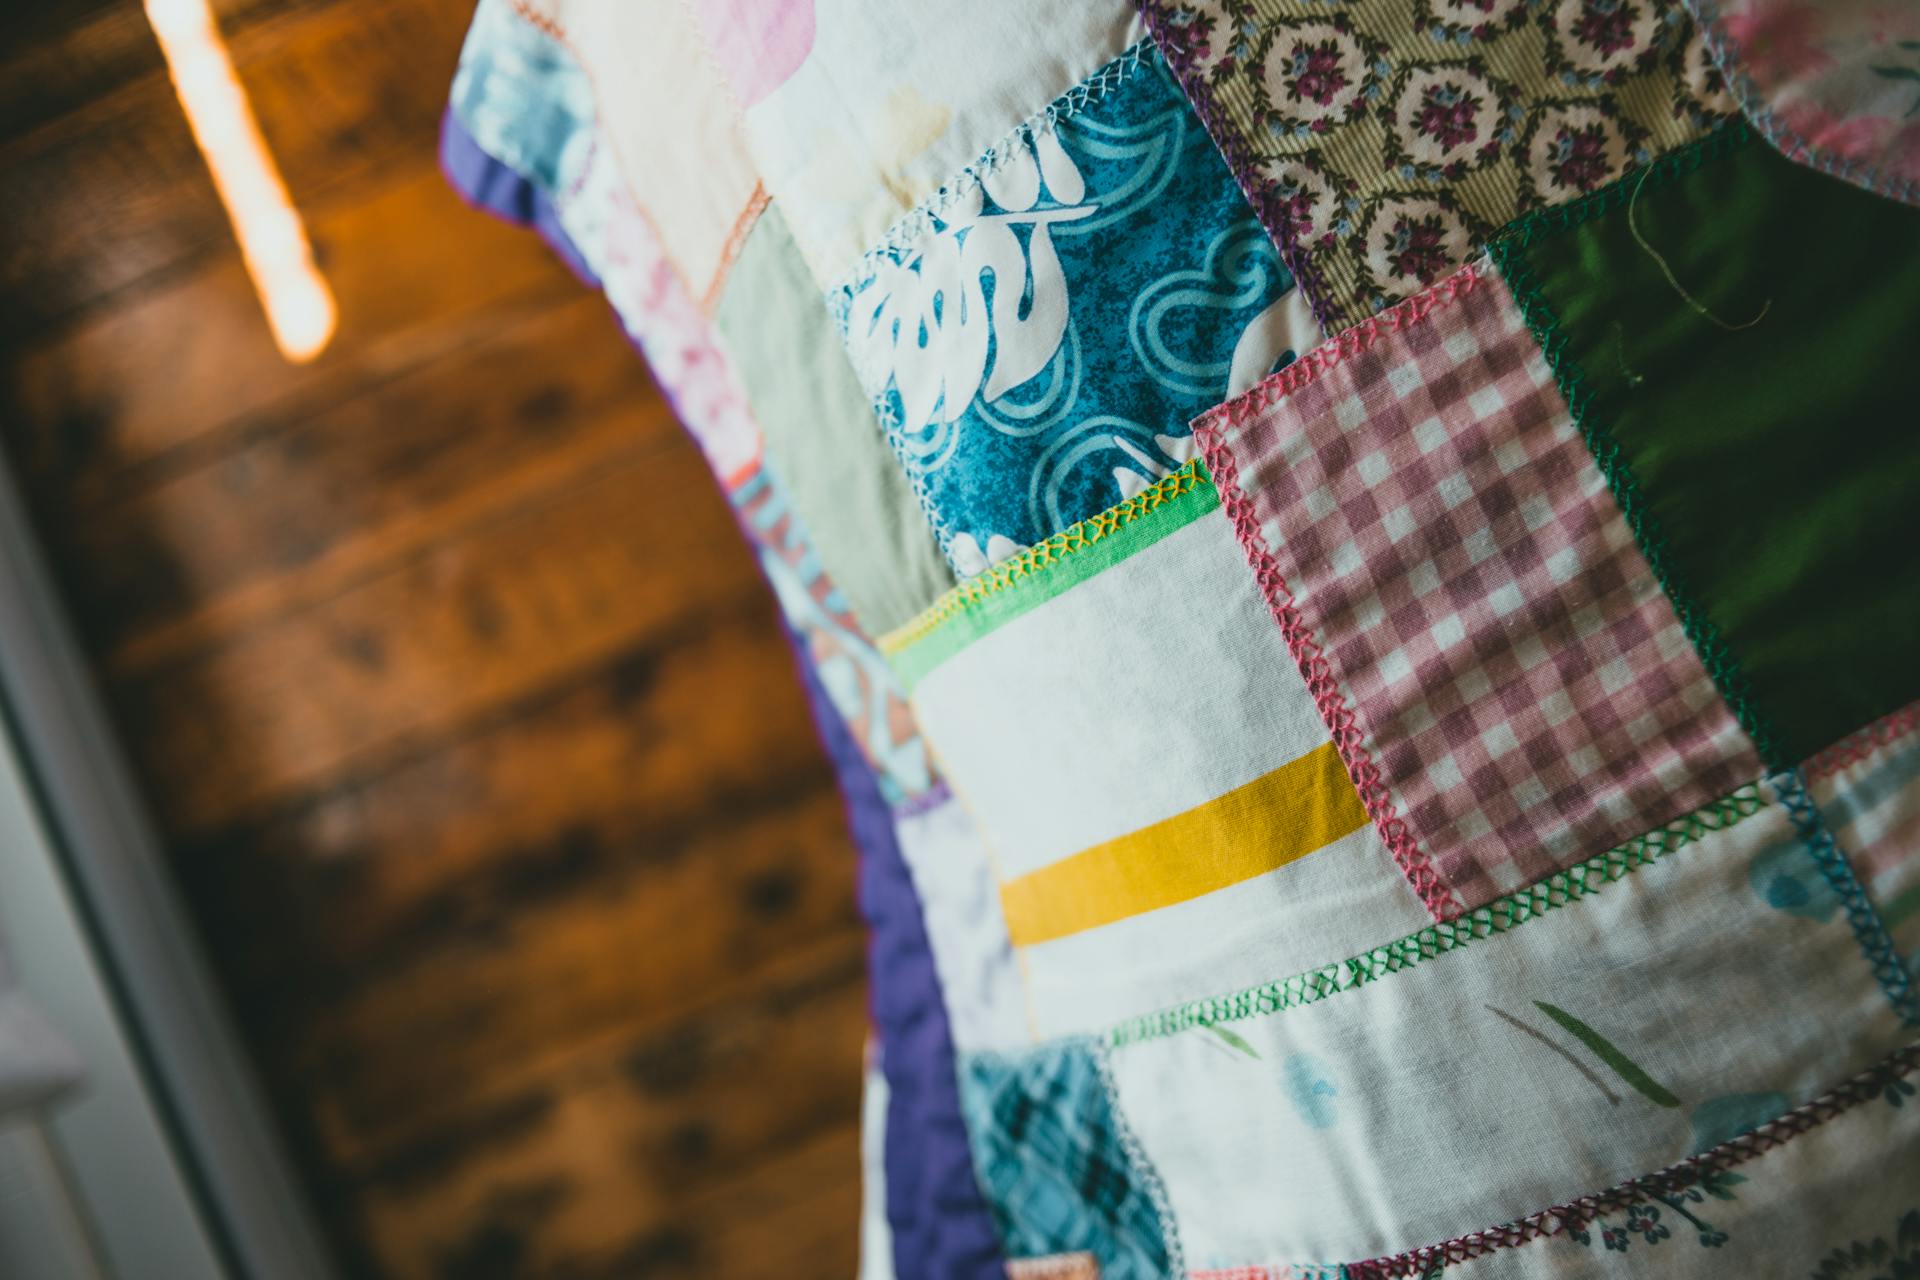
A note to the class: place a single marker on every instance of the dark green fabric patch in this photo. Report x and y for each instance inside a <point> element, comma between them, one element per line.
<point>1772,471</point>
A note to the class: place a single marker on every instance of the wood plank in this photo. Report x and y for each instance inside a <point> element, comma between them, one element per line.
<point>115,192</point>
<point>685,1093</point>
<point>56,58</point>
<point>664,929</point>
<point>288,517</point>
<point>324,899</point>
<point>475,623</point>
<point>415,272</point>
<point>646,1148</point>
<point>793,1216</point>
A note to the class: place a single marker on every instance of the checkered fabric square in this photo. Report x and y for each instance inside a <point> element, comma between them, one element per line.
<point>1056,1173</point>
<point>1518,677</point>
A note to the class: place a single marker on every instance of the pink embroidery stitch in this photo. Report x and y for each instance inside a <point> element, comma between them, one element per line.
<point>1576,1214</point>
<point>1348,738</point>
<point>1857,746</point>
<point>1524,691</point>
<point>1345,345</point>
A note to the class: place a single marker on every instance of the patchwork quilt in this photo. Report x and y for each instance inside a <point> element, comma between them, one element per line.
<point>1359,561</point>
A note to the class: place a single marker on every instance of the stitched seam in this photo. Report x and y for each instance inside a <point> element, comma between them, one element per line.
<point>534,18</point>
<point>1233,148</point>
<point>1142,1168</point>
<point>1348,738</point>
<point>1664,171</point>
<point>1345,345</point>
<point>1707,15</point>
<point>743,225</point>
<point>1868,930</point>
<point>1574,1215</point>
<point>898,241</point>
<point>1036,560</point>
<point>1573,884</point>
<point>1862,743</point>
<point>1507,253</point>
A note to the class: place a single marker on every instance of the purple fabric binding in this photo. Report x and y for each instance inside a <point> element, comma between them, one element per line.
<point>941,1228</point>
<point>489,184</point>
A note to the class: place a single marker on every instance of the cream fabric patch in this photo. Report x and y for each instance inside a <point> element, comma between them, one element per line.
<point>1626,1014</point>
<point>892,100</point>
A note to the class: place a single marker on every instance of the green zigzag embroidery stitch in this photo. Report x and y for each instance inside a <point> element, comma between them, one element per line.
<point>1573,884</point>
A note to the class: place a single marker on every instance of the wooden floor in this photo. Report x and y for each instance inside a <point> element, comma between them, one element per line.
<point>451,683</point>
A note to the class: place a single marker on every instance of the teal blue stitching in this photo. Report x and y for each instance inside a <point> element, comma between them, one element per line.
<point>1868,930</point>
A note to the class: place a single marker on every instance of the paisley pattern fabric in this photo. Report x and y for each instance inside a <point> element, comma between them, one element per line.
<point>1038,340</point>
<point>1384,153</point>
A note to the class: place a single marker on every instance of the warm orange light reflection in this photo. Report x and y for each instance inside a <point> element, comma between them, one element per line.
<point>298,304</point>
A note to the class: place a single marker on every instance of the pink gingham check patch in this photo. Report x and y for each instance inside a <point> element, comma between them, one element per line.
<point>1514,670</point>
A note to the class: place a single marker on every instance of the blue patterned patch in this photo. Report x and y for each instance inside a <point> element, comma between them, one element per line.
<point>524,99</point>
<point>1047,1144</point>
<point>1039,345</point>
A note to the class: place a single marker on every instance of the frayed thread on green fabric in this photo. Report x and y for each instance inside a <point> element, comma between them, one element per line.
<point>1577,882</point>
<point>1508,252</point>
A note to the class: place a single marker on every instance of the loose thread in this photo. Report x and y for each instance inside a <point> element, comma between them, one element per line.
<point>1620,356</point>
<point>1633,228</point>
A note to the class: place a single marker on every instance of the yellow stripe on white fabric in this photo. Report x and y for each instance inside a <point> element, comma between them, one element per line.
<point>1304,805</point>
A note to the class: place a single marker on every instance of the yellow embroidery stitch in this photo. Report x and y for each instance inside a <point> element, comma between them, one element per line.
<point>1074,538</point>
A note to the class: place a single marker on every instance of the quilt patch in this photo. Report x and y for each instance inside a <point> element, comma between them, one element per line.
<point>857,110</point>
<point>851,670</point>
<point>1594,1035</point>
<point>822,438</point>
<point>1784,1197</point>
<point>535,68</point>
<point>1038,339</point>
<point>953,875</point>
<point>1158,794</point>
<point>1383,145</point>
<point>1712,390</point>
<point>1522,685</point>
<point>1053,1158</point>
<point>1834,84</point>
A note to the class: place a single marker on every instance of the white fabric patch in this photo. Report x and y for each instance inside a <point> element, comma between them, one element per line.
<point>1445,1099</point>
<point>1150,688</point>
<point>960,902</point>
<point>893,100</point>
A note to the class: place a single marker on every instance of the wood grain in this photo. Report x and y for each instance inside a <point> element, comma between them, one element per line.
<point>466,716</point>
<point>681,1124</point>
<point>165,376</point>
<point>295,516</point>
<point>431,643</point>
<point>114,192</point>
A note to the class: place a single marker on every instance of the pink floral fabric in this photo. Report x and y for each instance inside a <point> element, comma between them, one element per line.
<point>1834,84</point>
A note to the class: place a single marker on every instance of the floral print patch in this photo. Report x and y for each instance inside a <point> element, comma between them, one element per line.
<point>1381,155</point>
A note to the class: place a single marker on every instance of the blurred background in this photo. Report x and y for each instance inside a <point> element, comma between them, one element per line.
<point>463,717</point>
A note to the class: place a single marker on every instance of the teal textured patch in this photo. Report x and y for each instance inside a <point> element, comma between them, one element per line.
<point>1054,1164</point>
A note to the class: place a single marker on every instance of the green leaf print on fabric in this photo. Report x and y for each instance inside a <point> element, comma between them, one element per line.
<point>1603,1049</point>
<point>1233,1040</point>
